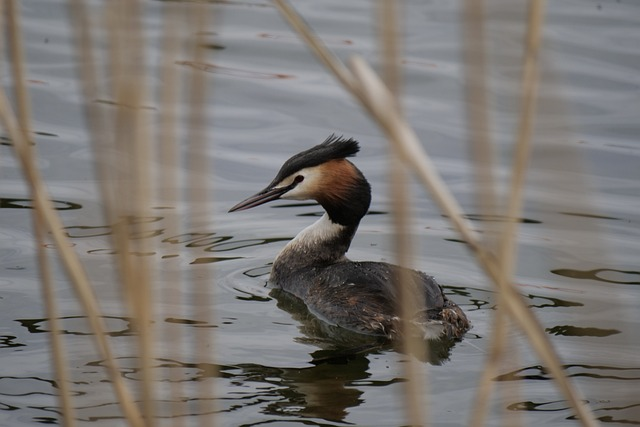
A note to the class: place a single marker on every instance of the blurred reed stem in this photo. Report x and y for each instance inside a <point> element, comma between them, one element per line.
<point>482,152</point>
<point>388,12</point>
<point>133,184</point>
<point>51,310</point>
<point>168,178</point>
<point>199,195</point>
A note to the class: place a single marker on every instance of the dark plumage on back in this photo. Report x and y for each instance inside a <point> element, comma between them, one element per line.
<point>334,147</point>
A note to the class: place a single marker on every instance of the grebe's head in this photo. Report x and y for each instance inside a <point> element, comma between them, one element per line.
<point>321,173</point>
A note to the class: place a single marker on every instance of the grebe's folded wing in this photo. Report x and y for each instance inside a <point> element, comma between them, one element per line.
<point>361,296</point>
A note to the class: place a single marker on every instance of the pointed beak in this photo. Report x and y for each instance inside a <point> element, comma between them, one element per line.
<point>266,195</point>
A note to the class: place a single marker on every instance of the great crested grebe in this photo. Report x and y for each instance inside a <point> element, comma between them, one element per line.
<point>355,295</point>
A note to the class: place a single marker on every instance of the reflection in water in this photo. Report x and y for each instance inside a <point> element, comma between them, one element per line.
<point>190,322</point>
<point>204,241</point>
<point>552,302</point>
<point>236,72</point>
<point>294,39</point>
<point>81,231</point>
<point>324,391</point>
<point>8,341</point>
<point>500,218</point>
<point>574,331</point>
<point>237,244</point>
<point>78,325</point>
<point>625,415</point>
<point>24,396</point>
<point>59,205</point>
<point>340,344</point>
<point>113,103</point>
<point>619,277</point>
<point>586,215</point>
<point>471,296</point>
<point>25,386</point>
<point>211,242</point>
<point>538,372</point>
<point>552,406</point>
<point>211,259</point>
<point>258,271</point>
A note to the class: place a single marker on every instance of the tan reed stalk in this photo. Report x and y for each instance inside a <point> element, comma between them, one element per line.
<point>132,142</point>
<point>97,120</point>
<point>51,310</point>
<point>507,246</point>
<point>314,43</point>
<point>377,100</point>
<point>410,298</point>
<point>478,110</point>
<point>199,196</point>
<point>67,412</point>
<point>410,295</point>
<point>481,148</point>
<point>168,159</point>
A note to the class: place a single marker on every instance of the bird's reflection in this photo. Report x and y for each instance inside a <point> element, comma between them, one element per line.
<point>322,391</point>
<point>328,388</point>
<point>339,345</point>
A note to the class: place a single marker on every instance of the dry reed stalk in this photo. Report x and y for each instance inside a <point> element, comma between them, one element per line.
<point>67,412</point>
<point>132,143</point>
<point>95,115</point>
<point>410,298</point>
<point>378,102</point>
<point>51,310</point>
<point>410,295</point>
<point>168,159</point>
<point>315,44</point>
<point>199,196</point>
<point>481,148</point>
<point>477,109</point>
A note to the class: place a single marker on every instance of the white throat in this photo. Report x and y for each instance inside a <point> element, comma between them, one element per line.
<point>313,237</point>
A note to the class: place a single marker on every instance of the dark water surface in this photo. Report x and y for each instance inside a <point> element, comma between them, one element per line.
<point>579,247</point>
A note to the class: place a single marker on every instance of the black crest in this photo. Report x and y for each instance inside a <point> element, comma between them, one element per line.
<point>334,147</point>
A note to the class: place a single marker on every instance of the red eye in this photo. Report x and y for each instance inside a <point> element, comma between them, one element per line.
<point>298,179</point>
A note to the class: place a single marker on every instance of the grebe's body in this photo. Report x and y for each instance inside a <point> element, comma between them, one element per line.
<point>359,296</point>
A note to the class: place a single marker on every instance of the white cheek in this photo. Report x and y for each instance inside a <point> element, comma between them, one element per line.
<point>300,192</point>
<point>294,194</point>
<point>305,189</point>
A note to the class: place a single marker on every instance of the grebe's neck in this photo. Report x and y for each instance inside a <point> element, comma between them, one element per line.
<point>322,243</point>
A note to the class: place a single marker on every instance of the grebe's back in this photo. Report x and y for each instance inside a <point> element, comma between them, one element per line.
<point>363,297</point>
